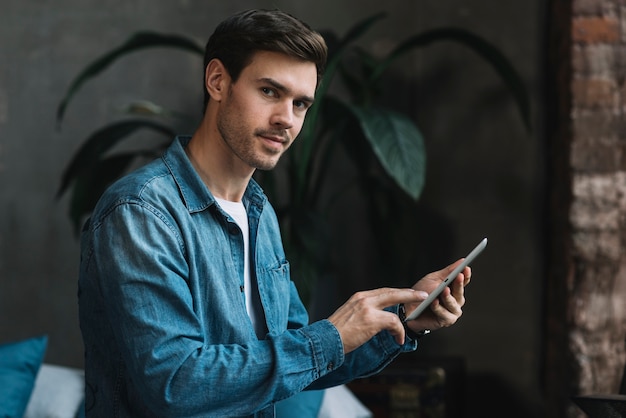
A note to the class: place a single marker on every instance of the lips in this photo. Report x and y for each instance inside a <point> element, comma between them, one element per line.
<point>280,136</point>
<point>276,140</point>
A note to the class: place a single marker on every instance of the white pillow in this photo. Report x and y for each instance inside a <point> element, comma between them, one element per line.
<point>340,402</point>
<point>58,392</point>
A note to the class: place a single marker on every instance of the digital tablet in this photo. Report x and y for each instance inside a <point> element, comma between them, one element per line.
<point>433,295</point>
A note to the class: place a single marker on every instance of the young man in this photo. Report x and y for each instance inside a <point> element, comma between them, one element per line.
<point>186,305</point>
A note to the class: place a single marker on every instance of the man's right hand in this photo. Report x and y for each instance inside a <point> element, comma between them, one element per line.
<point>363,315</point>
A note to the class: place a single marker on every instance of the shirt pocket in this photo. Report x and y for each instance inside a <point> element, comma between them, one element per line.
<point>274,289</point>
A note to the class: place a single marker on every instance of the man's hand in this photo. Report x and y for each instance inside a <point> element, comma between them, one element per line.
<point>446,309</point>
<point>362,316</point>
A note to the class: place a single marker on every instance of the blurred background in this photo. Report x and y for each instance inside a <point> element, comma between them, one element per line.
<point>485,168</point>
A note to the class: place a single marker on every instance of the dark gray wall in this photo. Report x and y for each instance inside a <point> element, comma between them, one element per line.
<point>484,168</point>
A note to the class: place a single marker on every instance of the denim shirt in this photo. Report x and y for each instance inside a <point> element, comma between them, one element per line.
<point>162,309</point>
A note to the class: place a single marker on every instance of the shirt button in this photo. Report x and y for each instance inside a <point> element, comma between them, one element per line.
<point>330,366</point>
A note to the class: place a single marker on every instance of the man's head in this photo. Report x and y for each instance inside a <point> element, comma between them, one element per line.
<point>239,37</point>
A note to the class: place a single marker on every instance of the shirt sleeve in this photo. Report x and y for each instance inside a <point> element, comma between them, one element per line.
<point>367,360</point>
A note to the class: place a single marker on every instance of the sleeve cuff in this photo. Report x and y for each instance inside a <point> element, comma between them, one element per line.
<point>327,346</point>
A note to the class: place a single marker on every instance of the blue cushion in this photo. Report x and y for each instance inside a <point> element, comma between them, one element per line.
<point>81,410</point>
<point>19,364</point>
<point>303,405</point>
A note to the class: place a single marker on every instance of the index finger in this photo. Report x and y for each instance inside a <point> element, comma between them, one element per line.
<point>388,296</point>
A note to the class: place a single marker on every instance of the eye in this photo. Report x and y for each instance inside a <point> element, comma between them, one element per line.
<point>268,91</point>
<point>301,104</point>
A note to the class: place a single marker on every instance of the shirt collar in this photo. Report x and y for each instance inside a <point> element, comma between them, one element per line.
<point>196,196</point>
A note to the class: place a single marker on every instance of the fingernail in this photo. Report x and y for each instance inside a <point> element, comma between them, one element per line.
<point>422,294</point>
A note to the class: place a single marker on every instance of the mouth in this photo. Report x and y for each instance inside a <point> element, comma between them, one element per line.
<point>274,140</point>
<point>277,139</point>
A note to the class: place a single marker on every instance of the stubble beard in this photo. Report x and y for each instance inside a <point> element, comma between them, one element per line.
<point>245,147</point>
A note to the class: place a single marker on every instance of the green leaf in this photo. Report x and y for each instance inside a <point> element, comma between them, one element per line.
<point>101,141</point>
<point>355,76</point>
<point>145,108</point>
<point>356,31</point>
<point>307,136</point>
<point>136,42</point>
<point>398,144</point>
<point>485,49</point>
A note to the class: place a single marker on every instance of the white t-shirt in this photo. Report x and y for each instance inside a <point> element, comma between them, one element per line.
<point>237,211</point>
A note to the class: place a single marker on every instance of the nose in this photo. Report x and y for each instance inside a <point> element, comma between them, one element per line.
<point>282,115</point>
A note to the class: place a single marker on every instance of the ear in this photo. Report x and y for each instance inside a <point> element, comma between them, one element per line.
<point>216,79</point>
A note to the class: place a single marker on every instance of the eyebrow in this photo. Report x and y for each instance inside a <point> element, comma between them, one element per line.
<point>286,90</point>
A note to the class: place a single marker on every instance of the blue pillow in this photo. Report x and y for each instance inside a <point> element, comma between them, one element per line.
<point>81,410</point>
<point>305,404</point>
<point>19,364</point>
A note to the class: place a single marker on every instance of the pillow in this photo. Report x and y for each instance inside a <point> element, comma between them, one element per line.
<point>340,402</point>
<point>58,392</point>
<point>303,405</point>
<point>19,364</point>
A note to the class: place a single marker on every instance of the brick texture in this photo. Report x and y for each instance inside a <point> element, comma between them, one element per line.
<point>587,30</point>
<point>593,93</point>
<point>595,7</point>
<point>596,316</point>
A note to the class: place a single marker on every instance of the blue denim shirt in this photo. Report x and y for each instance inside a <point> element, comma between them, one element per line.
<point>162,309</point>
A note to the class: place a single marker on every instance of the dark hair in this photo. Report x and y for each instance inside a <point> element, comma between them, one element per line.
<point>237,38</point>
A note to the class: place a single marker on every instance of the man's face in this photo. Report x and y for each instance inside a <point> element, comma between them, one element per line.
<point>263,111</point>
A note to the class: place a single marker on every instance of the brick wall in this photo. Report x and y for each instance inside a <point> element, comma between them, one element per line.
<point>588,210</point>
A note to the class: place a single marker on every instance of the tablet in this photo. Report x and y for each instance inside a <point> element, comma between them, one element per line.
<point>430,299</point>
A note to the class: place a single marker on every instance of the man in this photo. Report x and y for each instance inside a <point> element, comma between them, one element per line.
<point>187,308</point>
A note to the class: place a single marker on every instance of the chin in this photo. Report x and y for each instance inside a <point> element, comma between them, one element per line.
<point>266,166</point>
